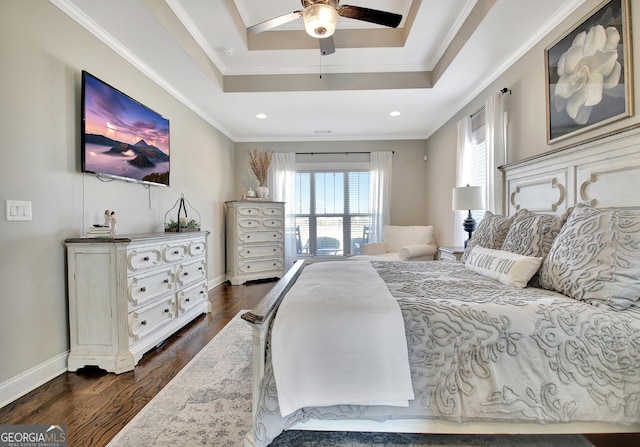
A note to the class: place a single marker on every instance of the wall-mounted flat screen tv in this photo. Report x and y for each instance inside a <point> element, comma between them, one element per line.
<point>122,138</point>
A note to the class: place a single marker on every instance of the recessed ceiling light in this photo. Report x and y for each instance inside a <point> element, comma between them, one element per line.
<point>261,116</point>
<point>395,113</point>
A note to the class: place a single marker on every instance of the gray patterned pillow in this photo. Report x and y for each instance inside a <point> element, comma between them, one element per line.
<point>532,234</point>
<point>596,257</point>
<point>491,232</point>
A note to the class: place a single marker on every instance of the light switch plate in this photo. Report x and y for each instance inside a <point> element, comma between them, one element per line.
<point>17,210</point>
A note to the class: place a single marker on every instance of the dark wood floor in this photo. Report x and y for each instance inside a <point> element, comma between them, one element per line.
<point>95,405</point>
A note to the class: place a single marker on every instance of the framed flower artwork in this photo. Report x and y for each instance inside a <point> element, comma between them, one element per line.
<point>588,73</point>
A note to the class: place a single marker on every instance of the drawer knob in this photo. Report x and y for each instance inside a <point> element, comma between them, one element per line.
<point>186,273</point>
<point>143,289</point>
<point>146,258</point>
<point>248,251</point>
<point>143,322</point>
<point>166,311</point>
<point>166,281</point>
<point>188,300</point>
<point>200,268</point>
<point>248,266</point>
<point>176,252</point>
<point>248,236</point>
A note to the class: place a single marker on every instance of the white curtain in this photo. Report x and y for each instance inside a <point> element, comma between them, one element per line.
<point>282,182</point>
<point>463,173</point>
<point>381,167</point>
<point>495,129</point>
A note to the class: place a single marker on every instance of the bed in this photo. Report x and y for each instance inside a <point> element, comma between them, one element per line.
<point>540,338</point>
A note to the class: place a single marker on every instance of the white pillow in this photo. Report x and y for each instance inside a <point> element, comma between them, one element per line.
<point>511,269</point>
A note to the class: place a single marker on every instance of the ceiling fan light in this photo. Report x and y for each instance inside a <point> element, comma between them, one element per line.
<point>320,20</point>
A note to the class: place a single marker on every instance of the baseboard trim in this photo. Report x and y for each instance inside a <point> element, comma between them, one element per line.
<point>217,281</point>
<point>31,379</point>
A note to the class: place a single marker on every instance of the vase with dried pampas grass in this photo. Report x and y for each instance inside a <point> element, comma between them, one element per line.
<point>260,162</point>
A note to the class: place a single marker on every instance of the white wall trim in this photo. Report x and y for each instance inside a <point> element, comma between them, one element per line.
<point>31,379</point>
<point>217,281</point>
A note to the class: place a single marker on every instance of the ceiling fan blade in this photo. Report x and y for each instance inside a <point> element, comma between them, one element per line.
<point>370,15</point>
<point>272,23</point>
<point>327,46</point>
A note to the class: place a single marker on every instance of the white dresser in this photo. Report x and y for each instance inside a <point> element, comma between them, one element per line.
<point>128,294</point>
<point>255,240</point>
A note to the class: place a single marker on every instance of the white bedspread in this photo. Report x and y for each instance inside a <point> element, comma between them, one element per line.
<point>335,344</point>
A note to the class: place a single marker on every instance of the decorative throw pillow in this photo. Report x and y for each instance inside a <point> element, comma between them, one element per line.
<point>532,234</point>
<point>509,268</point>
<point>491,232</point>
<point>596,257</point>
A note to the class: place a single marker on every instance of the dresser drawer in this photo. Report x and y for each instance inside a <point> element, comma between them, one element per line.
<point>144,258</point>
<point>248,211</point>
<point>146,320</point>
<point>257,266</point>
<point>197,248</point>
<point>144,288</point>
<point>260,251</point>
<point>261,236</point>
<point>187,273</point>
<point>174,252</point>
<point>272,211</point>
<point>272,223</point>
<point>249,223</point>
<point>191,296</point>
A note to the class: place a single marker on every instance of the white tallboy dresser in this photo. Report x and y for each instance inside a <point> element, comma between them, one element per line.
<point>255,240</point>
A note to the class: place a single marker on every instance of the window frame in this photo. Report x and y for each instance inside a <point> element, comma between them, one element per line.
<point>313,217</point>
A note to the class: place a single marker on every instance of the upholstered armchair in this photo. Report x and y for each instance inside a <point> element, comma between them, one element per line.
<point>400,243</point>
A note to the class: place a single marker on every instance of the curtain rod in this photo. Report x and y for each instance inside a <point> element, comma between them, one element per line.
<point>481,108</point>
<point>345,153</point>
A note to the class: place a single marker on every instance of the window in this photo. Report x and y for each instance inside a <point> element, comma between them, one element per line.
<point>472,164</point>
<point>332,211</point>
<point>478,154</point>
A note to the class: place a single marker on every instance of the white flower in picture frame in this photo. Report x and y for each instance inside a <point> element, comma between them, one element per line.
<point>588,70</point>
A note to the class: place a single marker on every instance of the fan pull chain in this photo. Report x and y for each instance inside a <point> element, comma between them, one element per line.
<point>320,65</point>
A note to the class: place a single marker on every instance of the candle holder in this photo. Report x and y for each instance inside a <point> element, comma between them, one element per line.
<point>182,217</point>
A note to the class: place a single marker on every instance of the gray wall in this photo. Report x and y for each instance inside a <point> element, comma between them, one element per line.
<point>527,121</point>
<point>408,182</point>
<point>43,52</point>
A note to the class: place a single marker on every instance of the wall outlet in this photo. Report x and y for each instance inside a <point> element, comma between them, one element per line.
<point>17,210</point>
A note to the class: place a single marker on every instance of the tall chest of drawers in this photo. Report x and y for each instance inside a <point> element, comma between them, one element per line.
<point>129,294</point>
<point>255,240</point>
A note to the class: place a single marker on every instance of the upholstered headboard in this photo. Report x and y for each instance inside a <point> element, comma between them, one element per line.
<point>602,173</point>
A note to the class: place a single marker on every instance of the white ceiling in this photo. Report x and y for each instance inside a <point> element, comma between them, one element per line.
<point>200,52</point>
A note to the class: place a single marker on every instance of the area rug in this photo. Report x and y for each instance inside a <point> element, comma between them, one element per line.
<point>208,403</point>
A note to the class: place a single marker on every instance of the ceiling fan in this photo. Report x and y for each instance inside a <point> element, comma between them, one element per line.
<point>320,17</point>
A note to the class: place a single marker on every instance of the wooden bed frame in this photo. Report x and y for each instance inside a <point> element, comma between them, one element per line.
<point>602,173</point>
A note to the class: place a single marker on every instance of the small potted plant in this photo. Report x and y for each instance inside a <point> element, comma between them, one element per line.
<point>185,225</point>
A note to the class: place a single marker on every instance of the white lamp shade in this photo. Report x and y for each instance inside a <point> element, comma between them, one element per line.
<point>468,198</point>
<point>320,20</point>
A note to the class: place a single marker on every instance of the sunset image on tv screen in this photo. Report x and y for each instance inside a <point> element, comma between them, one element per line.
<point>123,137</point>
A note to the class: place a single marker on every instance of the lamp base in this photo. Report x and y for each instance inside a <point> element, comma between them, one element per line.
<point>469,225</point>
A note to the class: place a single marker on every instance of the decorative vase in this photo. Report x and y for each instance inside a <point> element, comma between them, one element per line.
<point>263,192</point>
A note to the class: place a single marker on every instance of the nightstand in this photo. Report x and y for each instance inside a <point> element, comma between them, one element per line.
<point>451,253</point>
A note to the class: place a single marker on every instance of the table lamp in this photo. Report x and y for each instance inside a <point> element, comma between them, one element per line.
<point>468,198</point>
